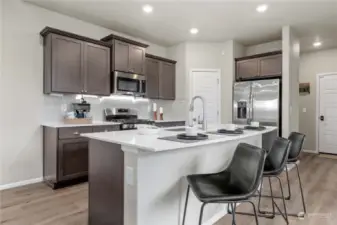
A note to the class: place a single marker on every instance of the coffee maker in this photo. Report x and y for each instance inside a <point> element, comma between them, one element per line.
<point>82,109</point>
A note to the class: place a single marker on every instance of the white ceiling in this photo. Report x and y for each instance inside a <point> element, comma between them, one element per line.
<point>219,20</point>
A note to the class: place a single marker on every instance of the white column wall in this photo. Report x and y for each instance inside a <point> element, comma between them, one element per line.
<point>290,81</point>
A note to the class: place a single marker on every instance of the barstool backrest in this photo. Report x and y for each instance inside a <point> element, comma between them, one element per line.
<point>246,167</point>
<point>278,154</point>
<point>297,140</point>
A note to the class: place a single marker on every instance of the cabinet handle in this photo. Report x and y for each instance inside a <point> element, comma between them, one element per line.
<point>106,130</point>
<point>76,133</point>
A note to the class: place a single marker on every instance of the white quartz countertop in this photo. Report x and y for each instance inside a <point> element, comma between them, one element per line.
<point>133,139</point>
<point>94,123</point>
<point>168,121</point>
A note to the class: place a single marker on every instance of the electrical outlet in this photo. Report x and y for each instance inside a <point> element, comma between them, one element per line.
<point>129,176</point>
<point>304,110</point>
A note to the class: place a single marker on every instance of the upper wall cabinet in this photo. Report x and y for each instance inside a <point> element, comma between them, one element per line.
<point>259,66</point>
<point>75,64</point>
<point>160,78</point>
<point>127,55</point>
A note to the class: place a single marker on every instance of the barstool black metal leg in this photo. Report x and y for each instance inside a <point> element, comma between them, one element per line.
<point>272,216</point>
<point>186,202</point>
<point>233,206</point>
<point>289,190</point>
<point>260,193</point>
<point>256,217</point>
<point>272,196</point>
<point>285,216</point>
<point>300,183</point>
<point>201,213</point>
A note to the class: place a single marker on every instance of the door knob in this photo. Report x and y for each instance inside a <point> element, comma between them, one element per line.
<point>321,118</point>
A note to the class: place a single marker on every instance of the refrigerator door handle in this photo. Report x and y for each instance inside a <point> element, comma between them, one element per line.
<point>252,116</point>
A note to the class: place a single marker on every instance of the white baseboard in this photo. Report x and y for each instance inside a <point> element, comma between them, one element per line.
<point>20,183</point>
<point>217,216</point>
<point>310,151</point>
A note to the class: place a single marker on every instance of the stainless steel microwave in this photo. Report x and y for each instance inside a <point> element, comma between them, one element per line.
<point>129,84</point>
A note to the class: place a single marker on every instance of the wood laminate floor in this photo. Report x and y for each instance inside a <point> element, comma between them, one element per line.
<point>39,205</point>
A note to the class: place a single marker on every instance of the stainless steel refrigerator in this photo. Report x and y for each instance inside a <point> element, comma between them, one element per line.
<point>258,100</point>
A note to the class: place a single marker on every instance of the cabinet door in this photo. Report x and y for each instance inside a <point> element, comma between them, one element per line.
<point>167,81</point>
<point>72,158</point>
<point>67,65</point>
<point>271,65</point>
<point>96,69</point>
<point>247,69</point>
<point>121,56</point>
<point>152,78</point>
<point>137,59</point>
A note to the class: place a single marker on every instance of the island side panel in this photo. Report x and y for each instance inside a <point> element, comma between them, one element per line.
<point>161,185</point>
<point>130,187</point>
<point>106,183</point>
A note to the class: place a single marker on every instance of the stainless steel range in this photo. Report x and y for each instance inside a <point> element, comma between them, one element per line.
<point>127,117</point>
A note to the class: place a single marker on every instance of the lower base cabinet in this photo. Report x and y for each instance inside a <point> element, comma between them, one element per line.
<point>65,154</point>
<point>73,159</point>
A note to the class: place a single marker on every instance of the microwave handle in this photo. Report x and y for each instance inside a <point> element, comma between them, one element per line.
<point>142,84</point>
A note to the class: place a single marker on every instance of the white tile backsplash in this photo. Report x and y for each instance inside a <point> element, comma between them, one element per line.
<point>55,105</point>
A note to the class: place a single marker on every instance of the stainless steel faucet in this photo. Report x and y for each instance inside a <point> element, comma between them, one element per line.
<point>204,122</point>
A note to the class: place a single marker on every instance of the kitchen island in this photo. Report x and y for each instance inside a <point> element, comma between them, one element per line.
<point>140,180</point>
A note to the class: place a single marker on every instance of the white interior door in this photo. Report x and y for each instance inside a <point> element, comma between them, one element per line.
<point>327,125</point>
<point>206,83</point>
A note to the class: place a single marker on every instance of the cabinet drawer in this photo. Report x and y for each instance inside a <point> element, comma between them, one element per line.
<point>73,132</point>
<point>106,128</point>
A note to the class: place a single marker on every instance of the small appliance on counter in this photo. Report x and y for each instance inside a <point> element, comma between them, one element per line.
<point>127,117</point>
<point>79,114</point>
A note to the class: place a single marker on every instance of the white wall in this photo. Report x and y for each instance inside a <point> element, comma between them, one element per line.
<point>1,93</point>
<point>22,95</point>
<point>264,47</point>
<point>312,64</point>
<point>290,81</point>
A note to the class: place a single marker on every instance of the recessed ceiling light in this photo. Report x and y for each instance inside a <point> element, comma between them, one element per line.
<point>262,8</point>
<point>147,8</point>
<point>194,30</point>
<point>317,44</point>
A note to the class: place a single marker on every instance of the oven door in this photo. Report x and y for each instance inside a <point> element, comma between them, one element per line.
<point>126,83</point>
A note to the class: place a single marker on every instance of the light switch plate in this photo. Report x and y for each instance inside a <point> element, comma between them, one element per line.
<point>129,176</point>
<point>304,110</point>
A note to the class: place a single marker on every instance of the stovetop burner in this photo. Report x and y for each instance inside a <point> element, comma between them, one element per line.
<point>126,117</point>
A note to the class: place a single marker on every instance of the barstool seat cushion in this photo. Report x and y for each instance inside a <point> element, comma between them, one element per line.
<point>213,187</point>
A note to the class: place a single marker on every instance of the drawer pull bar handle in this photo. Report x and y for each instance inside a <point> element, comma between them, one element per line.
<point>76,133</point>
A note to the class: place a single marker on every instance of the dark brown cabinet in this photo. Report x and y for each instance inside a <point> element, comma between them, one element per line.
<point>271,65</point>
<point>137,59</point>
<point>167,81</point>
<point>65,153</point>
<point>121,56</point>
<point>129,58</point>
<point>127,55</point>
<point>246,69</point>
<point>97,69</point>
<point>160,77</point>
<point>152,78</point>
<point>66,64</point>
<point>73,159</point>
<point>75,64</point>
<point>259,66</point>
